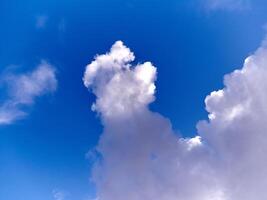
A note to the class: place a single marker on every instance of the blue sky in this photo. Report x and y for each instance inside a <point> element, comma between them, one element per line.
<point>192,44</point>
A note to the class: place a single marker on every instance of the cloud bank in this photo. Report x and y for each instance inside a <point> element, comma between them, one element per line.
<point>140,156</point>
<point>23,89</point>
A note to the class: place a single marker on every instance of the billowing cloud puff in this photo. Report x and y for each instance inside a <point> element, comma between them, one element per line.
<point>236,131</point>
<point>119,87</point>
<point>140,156</point>
<point>23,90</point>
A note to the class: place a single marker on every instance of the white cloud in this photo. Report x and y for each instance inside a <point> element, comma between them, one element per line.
<point>141,157</point>
<point>120,89</point>
<point>226,4</point>
<point>23,90</point>
<point>237,133</point>
<point>192,142</point>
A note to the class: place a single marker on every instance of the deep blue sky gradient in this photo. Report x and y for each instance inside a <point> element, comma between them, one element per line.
<point>192,48</point>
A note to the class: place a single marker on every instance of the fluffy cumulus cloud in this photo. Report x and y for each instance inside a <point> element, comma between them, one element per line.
<point>23,89</point>
<point>141,158</point>
<point>226,4</point>
<point>236,131</point>
<point>120,89</point>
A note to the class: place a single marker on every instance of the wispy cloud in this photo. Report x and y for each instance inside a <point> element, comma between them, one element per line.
<point>141,156</point>
<point>41,21</point>
<point>62,25</point>
<point>59,195</point>
<point>23,89</point>
<point>213,5</point>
